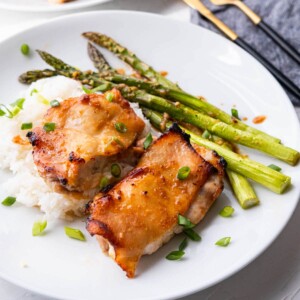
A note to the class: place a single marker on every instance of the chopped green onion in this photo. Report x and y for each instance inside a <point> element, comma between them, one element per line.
<point>103,182</point>
<point>116,140</point>
<point>193,235</point>
<point>183,173</point>
<point>25,49</point>
<point>49,127</point>
<point>224,242</point>
<point>86,90</point>
<point>2,113</point>
<point>15,110</point>
<point>226,212</point>
<point>38,228</point>
<point>121,127</point>
<point>185,222</point>
<point>206,135</point>
<point>175,255</point>
<point>183,244</point>
<point>9,201</point>
<point>26,126</point>
<point>19,103</point>
<point>74,233</point>
<point>235,113</point>
<point>33,91</point>
<point>148,141</point>
<point>109,96</point>
<point>54,103</point>
<point>115,170</point>
<point>274,167</point>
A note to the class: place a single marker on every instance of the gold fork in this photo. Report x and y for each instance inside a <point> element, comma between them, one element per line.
<point>257,20</point>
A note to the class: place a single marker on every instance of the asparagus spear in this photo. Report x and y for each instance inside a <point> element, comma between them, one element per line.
<point>242,189</point>
<point>54,62</point>
<point>129,57</point>
<point>271,179</point>
<point>188,100</point>
<point>223,130</point>
<point>99,60</point>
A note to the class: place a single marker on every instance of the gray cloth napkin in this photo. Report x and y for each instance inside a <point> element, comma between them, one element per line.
<point>282,15</point>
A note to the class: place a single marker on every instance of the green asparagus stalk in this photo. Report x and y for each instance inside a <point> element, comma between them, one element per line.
<point>99,60</point>
<point>269,178</point>
<point>34,75</point>
<point>223,130</point>
<point>240,185</point>
<point>129,57</point>
<point>54,62</point>
<point>188,100</point>
<point>242,189</point>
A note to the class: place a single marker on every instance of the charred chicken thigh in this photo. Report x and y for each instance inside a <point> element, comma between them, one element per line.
<point>90,133</point>
<point>140,213</point>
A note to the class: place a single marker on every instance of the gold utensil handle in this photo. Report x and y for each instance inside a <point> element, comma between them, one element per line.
<point>247,11</point>
<point>196,4</point>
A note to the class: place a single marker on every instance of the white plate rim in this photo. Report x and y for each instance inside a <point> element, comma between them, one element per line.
<point>283,94</point>
<point>51,7</point>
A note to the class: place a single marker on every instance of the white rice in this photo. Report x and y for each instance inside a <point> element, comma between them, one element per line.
<point>25,183</point>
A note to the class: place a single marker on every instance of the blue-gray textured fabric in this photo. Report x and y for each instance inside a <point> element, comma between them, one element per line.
<point>282,15</point>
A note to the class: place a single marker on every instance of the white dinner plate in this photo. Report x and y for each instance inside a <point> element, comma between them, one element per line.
<point>45,6</point>
<point>203,63</point>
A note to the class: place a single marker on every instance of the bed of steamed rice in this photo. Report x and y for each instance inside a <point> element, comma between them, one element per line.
<point>24,182</point>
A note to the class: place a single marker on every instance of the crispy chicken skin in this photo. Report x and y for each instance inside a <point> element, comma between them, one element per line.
<point>85,139</point>
<point>140,213</point>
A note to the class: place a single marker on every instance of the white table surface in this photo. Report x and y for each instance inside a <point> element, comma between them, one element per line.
<point>275,275</point>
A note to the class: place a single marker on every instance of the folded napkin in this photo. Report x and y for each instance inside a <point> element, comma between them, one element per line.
<point>281,15</point>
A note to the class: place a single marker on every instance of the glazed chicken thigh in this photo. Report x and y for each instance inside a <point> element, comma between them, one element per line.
<point>140,213</point>
<point>90,133</point>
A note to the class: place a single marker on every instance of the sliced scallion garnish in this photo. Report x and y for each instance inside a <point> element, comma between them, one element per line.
<point>223,242</point>
<point>121,127</point>
<point>33,91</point>
<point>9,201</point>
<point>183,173</point>
<point>25,49</point>
<point>226,211</point>
<point>86,90</point>
<point>274,167</point>
<point>193,235</point>
<point>54,103</point>
<point>26,126</point>
<point>148,141</point>
<point>49,127</point>
<point>183,244</point>
<point>235,113</point>
<point>103,183</point>
<point>2,113</point>
<point>74,233</point>
<point>175,255</point>
<point>19,103</point>
<point>185,222</point>
<point>115,170</point>
<point>38,228</point>
<point>109,96</point>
